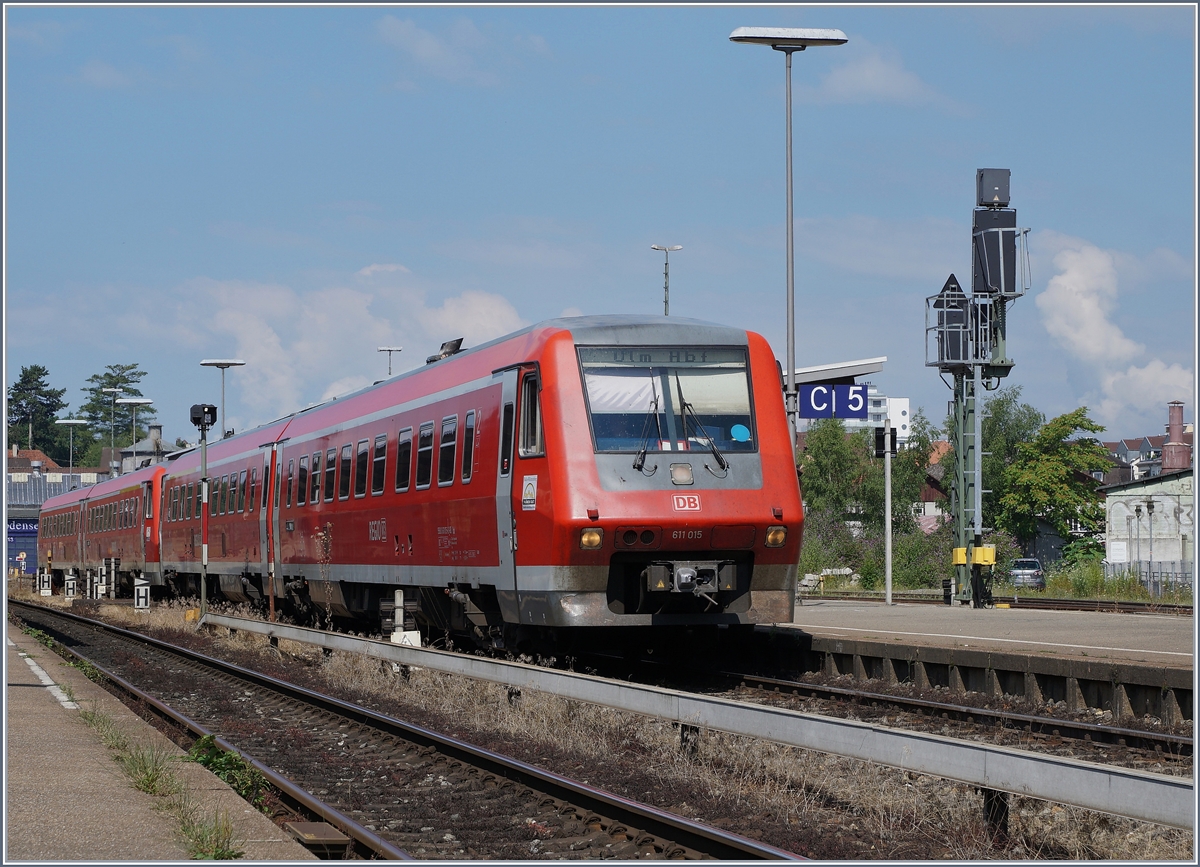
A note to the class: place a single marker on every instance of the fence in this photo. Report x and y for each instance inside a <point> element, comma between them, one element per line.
<point>1157,576</point>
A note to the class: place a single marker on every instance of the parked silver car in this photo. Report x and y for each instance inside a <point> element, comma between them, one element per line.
<point>1027,573</point>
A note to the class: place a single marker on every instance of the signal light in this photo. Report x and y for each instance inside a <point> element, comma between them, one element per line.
<point>591,538</point>
<point>776,536</point>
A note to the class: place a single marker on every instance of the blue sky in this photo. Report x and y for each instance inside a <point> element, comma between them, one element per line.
<point>298,186</point>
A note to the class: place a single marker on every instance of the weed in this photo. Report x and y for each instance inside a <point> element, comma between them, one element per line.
<point>241,776</point>
<point>111,735</point>
<point>209,836</point>
<point>68,691</point>
<point>149,769</point>
<point>38,636</point>
<point>87,669</point>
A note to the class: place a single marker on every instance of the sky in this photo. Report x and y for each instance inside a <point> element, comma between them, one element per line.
<point>297,186</point>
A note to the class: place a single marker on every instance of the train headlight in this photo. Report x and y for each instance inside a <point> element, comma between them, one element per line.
<point>776,536</point>
<point>591,538</point>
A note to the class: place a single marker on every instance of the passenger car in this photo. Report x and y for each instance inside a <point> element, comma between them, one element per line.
<point>1027,573</point>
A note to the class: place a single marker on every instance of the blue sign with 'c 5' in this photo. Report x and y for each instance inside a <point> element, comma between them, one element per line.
<point>833,401</point>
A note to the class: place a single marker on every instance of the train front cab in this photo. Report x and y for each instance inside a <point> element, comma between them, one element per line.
<point>652,482</point>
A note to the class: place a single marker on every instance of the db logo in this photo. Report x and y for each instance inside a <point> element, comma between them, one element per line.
<point>686,502</point>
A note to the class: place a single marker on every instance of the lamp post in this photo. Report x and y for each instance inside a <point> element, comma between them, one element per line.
<point>224,364</point>
<point>71,424</point>
<point>112,427</point>
<point>666,251</point>
<point>789,40</point>
<point>389,350</point>
<point>134,402</point>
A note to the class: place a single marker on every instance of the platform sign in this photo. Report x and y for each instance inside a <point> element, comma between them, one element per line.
<point>44,582</point>
<point>821,400</point>
<point>69,587</point>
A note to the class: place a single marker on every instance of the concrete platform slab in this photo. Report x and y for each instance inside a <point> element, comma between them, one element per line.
<point>1157,640</point>
<point>66,798</point>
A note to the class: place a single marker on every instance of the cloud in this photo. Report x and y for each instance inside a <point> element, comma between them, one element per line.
<point>97,73</point>
<point>1077,305</point>
<point>306,346</point>
<point>42,34</point>
<point>476,316</point>
<point>1147,389</point>
<point>1077,302</point>
<point>874,75</point>
<point>372,270</point>
<point>451,58</point>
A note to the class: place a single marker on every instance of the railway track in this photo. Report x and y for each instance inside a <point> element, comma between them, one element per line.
<point>1166,745</point>
<point>394,787</point>
<point>1028,602</point>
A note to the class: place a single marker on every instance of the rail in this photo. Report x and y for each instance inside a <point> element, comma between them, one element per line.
<point>1120,791</point>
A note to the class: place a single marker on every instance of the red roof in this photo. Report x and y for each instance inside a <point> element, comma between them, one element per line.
<point>25,457</point>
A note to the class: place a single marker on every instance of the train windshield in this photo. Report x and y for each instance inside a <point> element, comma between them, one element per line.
<point>661,399</point>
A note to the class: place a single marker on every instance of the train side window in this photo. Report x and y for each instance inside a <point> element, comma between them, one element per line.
<point>253,485</point>
<point>425,456</point>
<point>506,440</point>
<point>379,466</point>
<point>446,451</point>
<point>149,510</point>
<point>330,466</point>
<point>344,481</point>
<point>302,480</point>
<point>531,441</point>
<point>214,494</point>
<point>189,493</point>
<point>403,459</point>
<point>468,449</point>
<point>314,490</point>
<point>287,494</point>
<point>242,491</point>
<point>231,506</point>
<point>362,459</point>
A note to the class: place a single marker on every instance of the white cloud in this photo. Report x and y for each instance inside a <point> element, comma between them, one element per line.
<point>97,73</point>
<point>874,75</point>
<point>476,316</point>
<point>372,270</point>
<point>1146,389</point>
<point>1077,302</point>
<point>1077,307</point>
<point>451,58</point>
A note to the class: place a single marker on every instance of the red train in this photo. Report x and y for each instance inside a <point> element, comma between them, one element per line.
<point>586,472</point>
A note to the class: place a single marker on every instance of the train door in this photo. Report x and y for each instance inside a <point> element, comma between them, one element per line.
<point>530,502</point>
<point>505,518</point>
<point>262,476</point>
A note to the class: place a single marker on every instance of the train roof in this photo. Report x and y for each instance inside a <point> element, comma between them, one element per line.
<point>103,489</point>
<point>605,330</point>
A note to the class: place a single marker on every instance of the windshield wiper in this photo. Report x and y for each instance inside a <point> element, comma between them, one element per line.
<point>686,410</point>
<point>640,460</point>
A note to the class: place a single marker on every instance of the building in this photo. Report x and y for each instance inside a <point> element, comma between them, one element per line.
<point>31,479</point>
<point>1144,456</point>
<point>1150,523</point>
<point>146,451</point>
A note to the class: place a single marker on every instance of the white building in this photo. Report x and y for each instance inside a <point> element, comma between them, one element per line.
<point>1150,525</point>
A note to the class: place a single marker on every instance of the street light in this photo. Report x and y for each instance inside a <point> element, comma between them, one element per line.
<point>389,350</point>
<point>135,402</point>
<point>789,40</point>
<point>666,251</point>
<point>71,424</point>
<point>112,427</point>
<point>224,364</point>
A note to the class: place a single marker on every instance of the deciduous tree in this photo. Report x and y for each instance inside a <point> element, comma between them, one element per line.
<point>1050,478</point>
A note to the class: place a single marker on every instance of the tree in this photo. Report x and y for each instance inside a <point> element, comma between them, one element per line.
<point>1006,424</point>
<point>32,405</point>
<point>829,467</point>
<point>1050,479</point>
<point>101,413</point>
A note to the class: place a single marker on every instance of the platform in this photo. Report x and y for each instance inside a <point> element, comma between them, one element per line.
<point>1142,639</point>
<point>66,798</point>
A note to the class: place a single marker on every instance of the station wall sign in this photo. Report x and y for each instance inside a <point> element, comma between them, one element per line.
<point>819,400</point>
